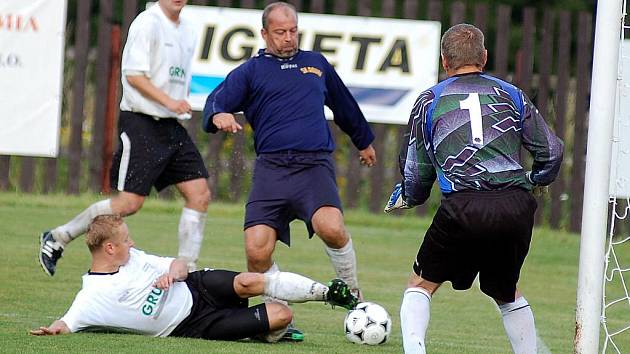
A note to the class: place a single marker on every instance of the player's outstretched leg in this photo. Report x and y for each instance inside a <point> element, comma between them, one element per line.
<point>53,242</point>
<point>295,288</point>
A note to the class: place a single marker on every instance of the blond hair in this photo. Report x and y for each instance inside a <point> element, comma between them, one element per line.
<point>101,229</point>
<point>462,45</point>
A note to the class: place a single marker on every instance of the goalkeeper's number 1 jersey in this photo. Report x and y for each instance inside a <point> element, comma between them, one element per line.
<point>467,132</point>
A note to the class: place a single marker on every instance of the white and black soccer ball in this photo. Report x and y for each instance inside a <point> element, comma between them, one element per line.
<point>368,324</point>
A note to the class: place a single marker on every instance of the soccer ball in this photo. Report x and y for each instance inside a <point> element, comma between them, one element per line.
<point>369,324</point>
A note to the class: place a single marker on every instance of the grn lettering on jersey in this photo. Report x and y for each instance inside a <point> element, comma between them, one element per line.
<point>176,71</point>
<point>152,301</point>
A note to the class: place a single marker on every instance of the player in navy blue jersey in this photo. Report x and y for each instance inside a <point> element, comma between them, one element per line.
<point>282,91</point>
<point>467,132</point>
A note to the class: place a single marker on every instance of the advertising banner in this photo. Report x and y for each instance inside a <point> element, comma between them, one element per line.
<point>31,71</point>
<point>385,63</point>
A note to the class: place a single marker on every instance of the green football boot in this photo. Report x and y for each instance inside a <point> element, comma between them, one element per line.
<point>292,334</point>
<point>339,295</point>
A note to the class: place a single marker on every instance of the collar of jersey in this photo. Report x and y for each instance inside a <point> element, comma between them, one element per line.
<point>470,73</point>
<point>165,18</point>
<point>100,273</point>
<point>261,52</point>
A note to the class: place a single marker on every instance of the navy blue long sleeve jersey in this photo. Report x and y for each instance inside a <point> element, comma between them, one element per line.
<point>283,100</point>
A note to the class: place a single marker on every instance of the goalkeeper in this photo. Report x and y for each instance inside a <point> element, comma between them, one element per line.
<point>130,291</point>
<point>467,132</point>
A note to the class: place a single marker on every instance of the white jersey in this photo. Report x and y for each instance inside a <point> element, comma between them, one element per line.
<point>162,50</point>
<point>127,300</point>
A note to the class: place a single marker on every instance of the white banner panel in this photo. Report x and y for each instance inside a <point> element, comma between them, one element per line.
<point>31,71</point>
<point>385,63</point>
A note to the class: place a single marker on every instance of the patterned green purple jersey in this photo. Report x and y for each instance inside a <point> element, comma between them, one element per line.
<point>467,132</point>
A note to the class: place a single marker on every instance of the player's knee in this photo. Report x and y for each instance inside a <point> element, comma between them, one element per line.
<point>204,198</point>
<point>200,200</point>
<point>249,284</point>
<point>256,255</point>
<point>334,236</point>
<point>279,315</point>
<point>419,282</point>
<point>128,206</point>
<point>258,264</point>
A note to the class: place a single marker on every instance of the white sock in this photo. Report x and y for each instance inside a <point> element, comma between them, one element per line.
<point>344,261</point>
<point>293,287</point>
<point>415,312</point>
<point>518,321</point>
<point>76,227</point>
<point>270,272</point>
<point>191,225</point>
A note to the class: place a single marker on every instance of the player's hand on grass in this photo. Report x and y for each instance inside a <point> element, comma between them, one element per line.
<point>44,331</point>
<point>226,122</point>
<point>164,281</point>
<point>396,200</point>
<point>367,156</point>
<point>57,327</point>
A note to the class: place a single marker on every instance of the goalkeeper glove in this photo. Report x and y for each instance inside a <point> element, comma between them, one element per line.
<point>396,200</point>
<point>537,191</point>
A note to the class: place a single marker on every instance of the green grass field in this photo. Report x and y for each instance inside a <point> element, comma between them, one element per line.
<point>461,322</point>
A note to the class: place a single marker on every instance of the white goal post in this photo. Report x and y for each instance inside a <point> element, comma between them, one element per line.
<point>608,27</point>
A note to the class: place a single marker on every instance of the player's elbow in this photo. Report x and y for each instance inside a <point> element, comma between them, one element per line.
<point>419,197</point>
<point>135,79</point>
<point>179,269</point>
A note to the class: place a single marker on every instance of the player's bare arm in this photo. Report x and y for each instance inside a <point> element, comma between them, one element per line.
<point>57,327</point>
<point>144,85</point>
<point>367,156</point>
<point>226,122</point>
<point>178,271</point>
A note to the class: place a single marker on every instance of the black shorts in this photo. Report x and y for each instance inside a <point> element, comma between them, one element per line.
<point>153,152</point>
<point>217,312</point>
<point>486,233</point>
<point>291,185</point>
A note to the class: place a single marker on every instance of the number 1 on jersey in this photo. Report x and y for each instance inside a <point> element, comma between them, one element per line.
<point>472,105</point>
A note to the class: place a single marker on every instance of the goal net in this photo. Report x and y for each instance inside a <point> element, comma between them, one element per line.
<point>603,304</point>
<point>615,317</point>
